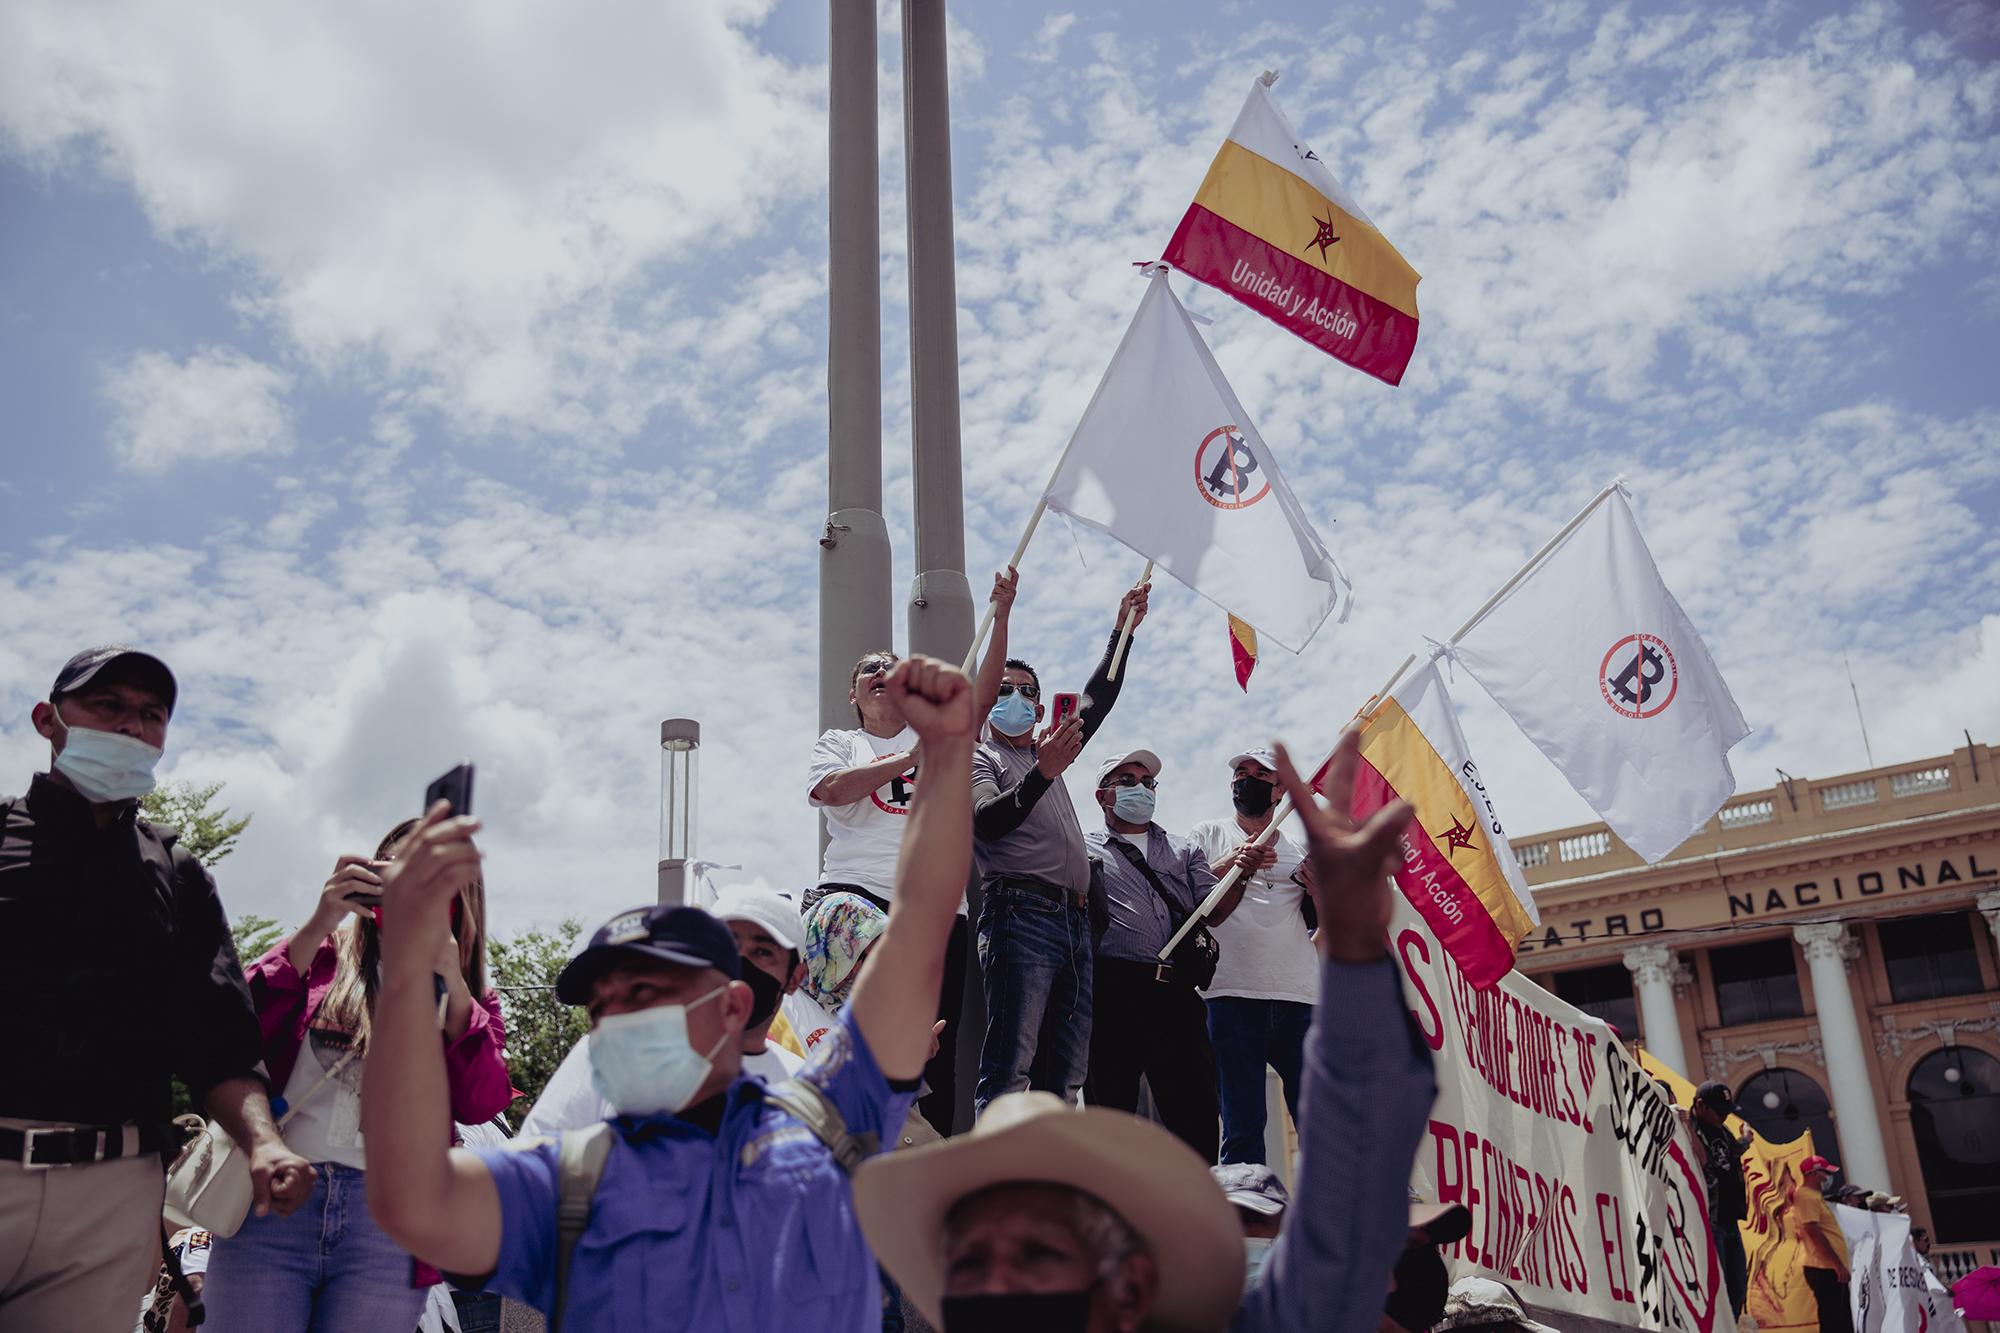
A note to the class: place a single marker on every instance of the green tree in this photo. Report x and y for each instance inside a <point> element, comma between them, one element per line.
<point>209,835</point>
<point>540,1028</point>
<point>255,935</point>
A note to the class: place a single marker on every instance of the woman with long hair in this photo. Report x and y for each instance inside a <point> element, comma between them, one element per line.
<point>328,1266</point>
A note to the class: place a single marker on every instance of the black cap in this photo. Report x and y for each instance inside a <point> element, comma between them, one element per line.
<point>1718,1096</point>
<point>80,670</point>
<point>665,933</point>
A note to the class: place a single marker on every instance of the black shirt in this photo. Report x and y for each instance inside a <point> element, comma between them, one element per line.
<point>1722,1171</point>
<point>117,970</point>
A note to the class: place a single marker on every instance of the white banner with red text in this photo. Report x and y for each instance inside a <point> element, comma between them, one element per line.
<point>1585,1188</point>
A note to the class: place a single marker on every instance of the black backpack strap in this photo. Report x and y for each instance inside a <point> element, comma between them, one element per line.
<point>816,1111</point>
<point>580,1160</point>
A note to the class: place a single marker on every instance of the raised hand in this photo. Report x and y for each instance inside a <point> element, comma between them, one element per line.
<point>1134,603</point>
<point>354,886</point>
<point>936,699</point>
<point>1058,747</point>
<point>1349,880</point>
<point>439,859</point>
<point>1004,588</point>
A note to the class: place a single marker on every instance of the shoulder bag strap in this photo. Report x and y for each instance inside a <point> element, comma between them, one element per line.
<point>580,1164</point>
<point>815,1110</point>
<point>1174,913</point>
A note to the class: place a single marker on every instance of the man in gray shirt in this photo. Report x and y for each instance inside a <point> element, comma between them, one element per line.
<point>1147,1017</point>
<point>1034,930</point>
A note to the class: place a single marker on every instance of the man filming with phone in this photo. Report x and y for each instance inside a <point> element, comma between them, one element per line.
<point>1034,927</point>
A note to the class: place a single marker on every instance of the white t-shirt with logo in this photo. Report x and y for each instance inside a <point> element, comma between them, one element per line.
<point>864,837</point>
<point>1266,954</point>
<point>570,1100</point>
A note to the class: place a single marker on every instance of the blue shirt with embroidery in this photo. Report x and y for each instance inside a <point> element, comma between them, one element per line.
<point>748,1229</point>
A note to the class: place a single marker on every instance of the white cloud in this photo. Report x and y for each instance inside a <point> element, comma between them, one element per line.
<point>216,406</point>
<point>455,200</point>
<point>1047,41</point>
<point>1659,246</point>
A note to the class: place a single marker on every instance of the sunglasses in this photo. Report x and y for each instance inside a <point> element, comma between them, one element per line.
<point>877,668</point>
<point>1026,691</point>
<point>1133,780</point>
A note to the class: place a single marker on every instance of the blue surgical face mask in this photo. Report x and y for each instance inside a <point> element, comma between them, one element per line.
<point>642,1062</point>
<point>1013,715</point>
<point>1134,805</point>
<point>105,766</point>
<point>1256,1249</point>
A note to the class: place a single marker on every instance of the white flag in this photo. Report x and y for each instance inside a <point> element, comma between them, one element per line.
<point>1593,658</point>
<point>1166,460</point>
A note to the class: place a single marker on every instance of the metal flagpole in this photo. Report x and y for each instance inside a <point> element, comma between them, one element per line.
<point>940,610</point>
<point>854,608</point>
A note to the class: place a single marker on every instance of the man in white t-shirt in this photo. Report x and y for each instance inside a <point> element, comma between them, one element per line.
<point>862,780</point>
<point>770,936</point>
<point>1261,1001</point>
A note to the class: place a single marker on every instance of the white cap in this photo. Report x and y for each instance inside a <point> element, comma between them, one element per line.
<point>1145,758</point>
<point>777,914</point>
<point>1259,755</point>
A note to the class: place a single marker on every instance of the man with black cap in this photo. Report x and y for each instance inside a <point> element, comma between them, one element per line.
<point>1722,1171</point>
<point>714,1200</point>
<point>117,973</point>
<point>1147,1016</point>
<point>1421,1282</point>
<point>1261,1001</point>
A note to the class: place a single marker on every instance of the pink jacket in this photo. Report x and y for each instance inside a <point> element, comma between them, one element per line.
<point>474,1065</point>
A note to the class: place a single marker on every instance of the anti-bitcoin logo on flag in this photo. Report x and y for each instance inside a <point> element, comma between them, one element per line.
<point>1638,677</point>
<point>1227,470</point>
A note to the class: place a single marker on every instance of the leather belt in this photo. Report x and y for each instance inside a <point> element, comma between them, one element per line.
<point>1055,895</point>
<point>69,1145</point>
<point>1154,971</point>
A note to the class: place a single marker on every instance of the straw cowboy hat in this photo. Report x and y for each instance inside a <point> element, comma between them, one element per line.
<point>1150,1178</point>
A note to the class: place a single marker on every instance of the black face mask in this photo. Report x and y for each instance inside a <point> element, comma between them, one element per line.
<point>1040,1312</point>
<point>765,993</point>
<point>1253,796</point>
<point>1422,1283</point>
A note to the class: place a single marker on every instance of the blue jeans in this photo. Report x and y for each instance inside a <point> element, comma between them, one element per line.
<point>1035,956</point>
<point>325,1269</point>
<point>1247,1035</point>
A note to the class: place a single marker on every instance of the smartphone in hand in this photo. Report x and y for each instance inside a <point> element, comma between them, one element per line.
<point>1066,706</point>
<point>456,787</point>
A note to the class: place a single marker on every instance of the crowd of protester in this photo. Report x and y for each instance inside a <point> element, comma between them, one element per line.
<point>758,1130</point>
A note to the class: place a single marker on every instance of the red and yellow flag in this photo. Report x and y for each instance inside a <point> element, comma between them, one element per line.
<point>1273,228</point>
<point>1243,648</point>
<point>1457,870</point>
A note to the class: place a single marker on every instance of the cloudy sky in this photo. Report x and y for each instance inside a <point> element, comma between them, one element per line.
<point>449,380</point>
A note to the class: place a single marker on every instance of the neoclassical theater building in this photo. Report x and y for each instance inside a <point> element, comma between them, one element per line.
<point>1827,947</point>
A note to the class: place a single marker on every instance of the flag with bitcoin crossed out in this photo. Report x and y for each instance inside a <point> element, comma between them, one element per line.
<point>1593,658</point>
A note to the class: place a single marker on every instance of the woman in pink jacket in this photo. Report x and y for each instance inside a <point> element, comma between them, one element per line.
<point>327,1265</point>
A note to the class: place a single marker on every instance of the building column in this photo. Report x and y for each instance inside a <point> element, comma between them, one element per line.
<point>1988,904</point>
<point>1653,967</point>
<point>1866,1161</point>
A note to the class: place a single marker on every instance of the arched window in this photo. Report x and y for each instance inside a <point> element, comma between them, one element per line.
<point>1782,1104</point>
<point>1955,1115</point>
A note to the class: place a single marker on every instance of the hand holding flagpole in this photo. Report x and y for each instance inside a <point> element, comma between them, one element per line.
<point>1279,814</point>
<point>1125,630</point>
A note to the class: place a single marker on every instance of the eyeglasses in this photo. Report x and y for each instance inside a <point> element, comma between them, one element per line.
<point>875,668</point>
<point>1026,691</point>
<point>1132,780</point>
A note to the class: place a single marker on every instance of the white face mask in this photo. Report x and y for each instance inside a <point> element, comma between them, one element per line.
<point>642,1062</point>
<point>106,766</point>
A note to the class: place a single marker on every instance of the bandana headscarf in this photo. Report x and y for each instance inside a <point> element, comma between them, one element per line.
<point>839,930</point>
